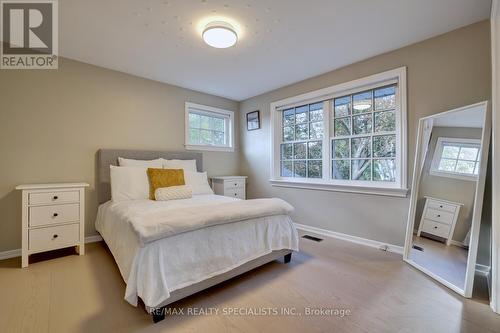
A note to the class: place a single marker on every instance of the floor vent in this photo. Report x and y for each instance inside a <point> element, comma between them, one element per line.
<point>316,239</point>
<point>416,247</point>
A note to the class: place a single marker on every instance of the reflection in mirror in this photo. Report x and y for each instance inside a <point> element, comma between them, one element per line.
<point>447,195</point>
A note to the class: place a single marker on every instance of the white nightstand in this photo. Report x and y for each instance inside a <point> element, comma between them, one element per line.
<point>53,217</point>
<point>230,186</point>
<point>439,218</point>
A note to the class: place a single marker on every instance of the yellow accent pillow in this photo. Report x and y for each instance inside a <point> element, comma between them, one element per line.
<point>159,178</point>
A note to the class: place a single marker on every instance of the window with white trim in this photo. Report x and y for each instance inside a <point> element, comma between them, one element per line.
<point>364,136</point>
<point>347,137</point>
<point>209,128</point>
<point>302,137</point>
<point>456,158</point>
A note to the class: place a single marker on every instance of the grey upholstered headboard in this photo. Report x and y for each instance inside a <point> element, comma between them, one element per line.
<point>107,157</point>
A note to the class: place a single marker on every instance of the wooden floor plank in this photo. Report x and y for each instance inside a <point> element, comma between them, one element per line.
<point>69,293</point>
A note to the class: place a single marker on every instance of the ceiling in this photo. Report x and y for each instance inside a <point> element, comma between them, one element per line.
<point>281,41</point>
<point>469,117</point>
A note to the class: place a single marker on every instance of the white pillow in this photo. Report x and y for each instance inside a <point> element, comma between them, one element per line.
<point>173,193</point>
<point>186,165</point>
<point>128,183</point>
<point>127,162</point>
<point>198,182</point>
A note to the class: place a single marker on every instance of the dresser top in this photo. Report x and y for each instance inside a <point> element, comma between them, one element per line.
<point>50,185</point>
<point>443,200</point>
<point>229,177</point>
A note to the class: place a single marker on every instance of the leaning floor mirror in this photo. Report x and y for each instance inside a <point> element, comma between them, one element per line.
<point>447,195</point>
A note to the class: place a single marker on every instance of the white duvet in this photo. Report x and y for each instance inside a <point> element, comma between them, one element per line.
<point>152,271</point>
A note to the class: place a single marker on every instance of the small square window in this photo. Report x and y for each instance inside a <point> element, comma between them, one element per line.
<point>384,170</point>
<point>341,148</point>
<point>362,124</point>
<point>341,169</point>
<point>456,158</point>
<point>362,102</point>
<point>361,169</point>
<point>385,121</point>
<point>384,146</point>
<point>287,151</point>
<point>208,128</point>
<point>361,147</point>
<point>287,169</point>
<point>342,106</point>
<point>289,117</point>
<point>301,132</point>
<point>314,169</point>
<point>300,151</point>
<point>300,169</point>
<point>302,114</point>
<point>314,150</point>
<point>385,98</point>
<point>343,126</point>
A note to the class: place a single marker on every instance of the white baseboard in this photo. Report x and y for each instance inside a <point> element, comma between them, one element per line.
<point>10,254</point>
<point>486,272</point>
<point>459,244</point>
<point>452,242</point>
<point>17,252</point>
<point>480,269</point>
<point>354,239</point>
<point>93,239</point>
<point>483,269</point>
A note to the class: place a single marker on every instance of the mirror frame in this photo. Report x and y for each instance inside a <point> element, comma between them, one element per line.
<point>478,201</point>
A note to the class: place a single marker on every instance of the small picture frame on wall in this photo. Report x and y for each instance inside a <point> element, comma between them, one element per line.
<point>253,120</point>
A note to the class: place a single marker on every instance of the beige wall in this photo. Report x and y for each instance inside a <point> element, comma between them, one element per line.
<point>452,189</point>
<point>52,122</point>
<point>444,72</point>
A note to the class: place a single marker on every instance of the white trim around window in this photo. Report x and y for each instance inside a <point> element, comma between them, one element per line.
<point>397,188</point>
<point>227,116</point>
<point>458,143</point>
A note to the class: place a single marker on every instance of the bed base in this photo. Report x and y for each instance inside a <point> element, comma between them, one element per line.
<point>158,313</point>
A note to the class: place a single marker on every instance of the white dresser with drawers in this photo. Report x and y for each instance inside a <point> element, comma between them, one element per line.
<point>439,218</point>
<point>230,186</point>
<point>53,217</point>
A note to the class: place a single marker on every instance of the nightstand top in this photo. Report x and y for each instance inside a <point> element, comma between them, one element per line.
<point>229,177</point>
<point>443,200</point>
<point>50,186</point>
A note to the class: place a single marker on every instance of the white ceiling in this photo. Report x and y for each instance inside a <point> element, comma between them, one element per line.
<point>469,117</point>
<point>282,41</point>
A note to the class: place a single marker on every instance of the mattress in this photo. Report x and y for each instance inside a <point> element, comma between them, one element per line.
<point>156,269</point>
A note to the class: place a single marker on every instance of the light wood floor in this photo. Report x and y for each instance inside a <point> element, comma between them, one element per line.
<point>85,294</point>
<point>448,262</point>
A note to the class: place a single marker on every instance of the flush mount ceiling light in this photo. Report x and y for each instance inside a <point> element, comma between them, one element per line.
<point>220,34</point>
<point>362,106</point>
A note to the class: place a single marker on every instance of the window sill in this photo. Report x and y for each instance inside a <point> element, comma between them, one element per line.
<point>472,178</point>
<point>209,148</point>
<point>390,192</point>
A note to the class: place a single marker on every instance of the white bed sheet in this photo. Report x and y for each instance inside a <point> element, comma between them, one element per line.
<point>152,272</point>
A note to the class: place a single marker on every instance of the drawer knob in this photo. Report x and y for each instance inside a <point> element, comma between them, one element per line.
<point>55,215</point>
<point>55,197</point>
<point>439,215</point>
<point>435,227</point>
<point>55,236</point>
<point>440,206</point>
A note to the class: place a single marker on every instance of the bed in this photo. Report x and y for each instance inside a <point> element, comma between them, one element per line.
<point>172,266</point>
